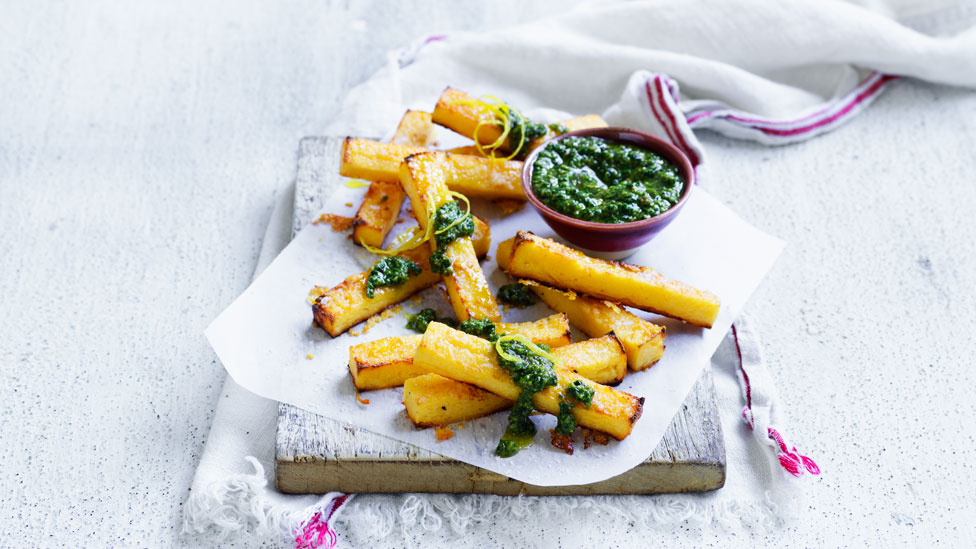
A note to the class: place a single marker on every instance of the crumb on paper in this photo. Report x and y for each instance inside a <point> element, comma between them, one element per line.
<point>590,436</point>
<point>339,223</point>
<point>309,356</point>
<point>443,433</point>
<point>563,442</point>
<point>398,221</point>
<point>376,319</point>
<point>315,293</point>
<point>361,399</point>
<point>349,204</point>
<point>509,205</point>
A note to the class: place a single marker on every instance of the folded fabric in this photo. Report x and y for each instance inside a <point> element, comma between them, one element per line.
<point>769,72</point>
<point>742,63</point>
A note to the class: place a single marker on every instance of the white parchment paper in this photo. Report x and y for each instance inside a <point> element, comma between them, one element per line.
<point>264,338</point>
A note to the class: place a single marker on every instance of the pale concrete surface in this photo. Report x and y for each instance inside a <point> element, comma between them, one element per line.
<point>139,152</point>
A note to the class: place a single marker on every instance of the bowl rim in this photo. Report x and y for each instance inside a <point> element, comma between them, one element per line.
<point>613,133</point>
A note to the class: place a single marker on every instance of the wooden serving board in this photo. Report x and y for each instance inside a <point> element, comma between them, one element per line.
<point>314,454</point>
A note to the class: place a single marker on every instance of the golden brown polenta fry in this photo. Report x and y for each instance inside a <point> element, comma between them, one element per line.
<point>469,359</point>
<point>388,362</point>
<point>423,178</point>
<point>382,201</point>
<point>555,264</point>
<point>343,306</point>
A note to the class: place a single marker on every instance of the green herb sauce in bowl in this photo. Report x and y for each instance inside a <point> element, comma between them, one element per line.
<point>593,179</point>
<point>607,191</point>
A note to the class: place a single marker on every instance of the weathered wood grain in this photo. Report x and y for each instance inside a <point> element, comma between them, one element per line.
<point>314,454</point>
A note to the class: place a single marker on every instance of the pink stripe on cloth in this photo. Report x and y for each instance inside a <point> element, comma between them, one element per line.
<point>408,54</point>
<point>746,387</point>
<point>313,533</point>
<point>696,117</point>
<point>753,119</point>
<point>832,112</point>
<point>667,114</point>
<point>673,119</point>
<point>657,115</point>
<point>789,458</point>
<point>860,98</point>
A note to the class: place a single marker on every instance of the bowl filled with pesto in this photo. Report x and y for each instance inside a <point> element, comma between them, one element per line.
<point>607,190</point>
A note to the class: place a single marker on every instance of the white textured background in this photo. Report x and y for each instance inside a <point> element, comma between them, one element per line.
<point>140,147</point>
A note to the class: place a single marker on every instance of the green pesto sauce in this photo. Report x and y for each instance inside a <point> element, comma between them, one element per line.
<point>481,327</point>
<point>450,224</point>
<point>421,320</point>
<point>522,130</point>
<point>439,263</point>
<point>390,271</point>
<point>450,215</point>
<point>516,294</point>
<point>579,392</point>
<point>565,421</point>
<point>558,129</point>
<point>511,443</point>
<point>593,179</point>
<point>532,373</point>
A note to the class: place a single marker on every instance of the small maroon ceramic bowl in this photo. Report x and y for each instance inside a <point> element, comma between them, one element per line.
<point>612,240</point>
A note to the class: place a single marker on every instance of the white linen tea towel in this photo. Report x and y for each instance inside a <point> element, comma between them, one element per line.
<point>769,72</point>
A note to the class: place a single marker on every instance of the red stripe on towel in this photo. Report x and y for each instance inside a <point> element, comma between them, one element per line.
<point>868,88</point>
<point>660,119</point>
<point>873,89</point>
<point>731,114</point>
<point>314,532</point>
<point>674,123</point>
<point>789,458</point>
<point>745,381</point>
